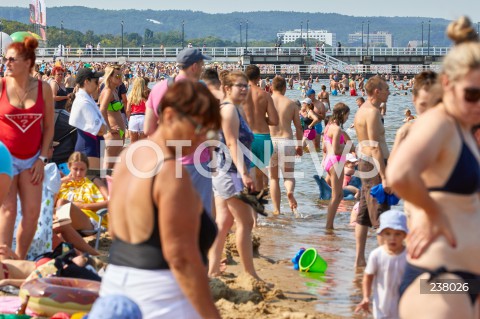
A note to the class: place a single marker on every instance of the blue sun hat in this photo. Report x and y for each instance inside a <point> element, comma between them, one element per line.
<point>115,307</point>
<point>393,219</point>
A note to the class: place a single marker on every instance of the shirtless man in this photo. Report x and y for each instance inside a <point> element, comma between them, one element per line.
<point>373,149</point>
<point>324,97</point>
<point>353,87</point>
<point>344,84</point>
<point>284,145</point>
<point>69,80</point>
<point>260,113</point>
<point>319,109</point>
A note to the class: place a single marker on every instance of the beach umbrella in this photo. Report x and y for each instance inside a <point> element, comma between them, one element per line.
<point>19,36</point>
<point>6,40</point>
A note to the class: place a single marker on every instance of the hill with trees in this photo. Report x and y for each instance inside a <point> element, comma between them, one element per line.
<point>154,27</point>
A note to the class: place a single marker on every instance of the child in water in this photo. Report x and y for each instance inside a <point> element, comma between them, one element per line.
<point>408,116</point>
<point>385,267</point>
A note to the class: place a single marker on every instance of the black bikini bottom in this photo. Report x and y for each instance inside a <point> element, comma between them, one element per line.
<point>412,272</point>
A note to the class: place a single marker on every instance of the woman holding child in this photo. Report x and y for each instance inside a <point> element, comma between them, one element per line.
<point>443,186</point>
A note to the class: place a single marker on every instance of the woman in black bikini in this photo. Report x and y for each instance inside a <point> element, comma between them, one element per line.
<point>436,169</point>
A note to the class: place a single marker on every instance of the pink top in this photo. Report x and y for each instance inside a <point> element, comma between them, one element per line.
<point>154,98</point>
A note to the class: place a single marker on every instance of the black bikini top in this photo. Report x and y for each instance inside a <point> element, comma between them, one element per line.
<point>149,254</point>
<point>465,177</point>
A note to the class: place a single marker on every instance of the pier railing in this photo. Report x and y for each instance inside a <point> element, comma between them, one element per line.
<point>156,52</point>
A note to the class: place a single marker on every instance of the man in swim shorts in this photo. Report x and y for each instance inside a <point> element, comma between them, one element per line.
<point>260,114</point>
<point>373,156</point>
<point>284,146</point>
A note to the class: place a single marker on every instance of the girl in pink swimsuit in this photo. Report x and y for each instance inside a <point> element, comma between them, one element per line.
<point>334,142</point>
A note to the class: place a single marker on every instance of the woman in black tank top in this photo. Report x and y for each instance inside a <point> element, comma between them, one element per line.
<point>161,234</point>
<point>60,94</point>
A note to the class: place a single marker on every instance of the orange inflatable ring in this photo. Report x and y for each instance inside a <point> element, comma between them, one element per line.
<point>54,294</point>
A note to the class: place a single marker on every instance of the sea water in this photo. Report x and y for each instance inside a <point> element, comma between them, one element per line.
<point>340,289</point>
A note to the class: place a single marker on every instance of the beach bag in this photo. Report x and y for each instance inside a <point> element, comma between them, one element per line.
<point>310,134</point>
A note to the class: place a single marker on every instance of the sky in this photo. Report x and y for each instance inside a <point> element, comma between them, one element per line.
<point>446,9</point>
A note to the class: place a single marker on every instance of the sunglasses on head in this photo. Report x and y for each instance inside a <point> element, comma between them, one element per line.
<point>472,95</point>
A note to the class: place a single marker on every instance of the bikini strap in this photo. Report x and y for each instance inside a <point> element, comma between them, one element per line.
<point>457,125</point>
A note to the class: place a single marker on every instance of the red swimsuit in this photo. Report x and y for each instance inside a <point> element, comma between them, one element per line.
<point>21,129</point>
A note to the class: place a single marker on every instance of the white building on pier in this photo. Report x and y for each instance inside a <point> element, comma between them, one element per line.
<point>313,36</point>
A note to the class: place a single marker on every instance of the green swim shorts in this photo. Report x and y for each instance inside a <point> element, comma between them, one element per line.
<point>262,148</point>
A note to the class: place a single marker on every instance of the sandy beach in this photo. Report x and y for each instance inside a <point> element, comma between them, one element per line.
<point>240,296</point>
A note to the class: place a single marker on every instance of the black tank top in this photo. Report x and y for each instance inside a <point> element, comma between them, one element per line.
<point>60,105</point>
<point>149,254</point>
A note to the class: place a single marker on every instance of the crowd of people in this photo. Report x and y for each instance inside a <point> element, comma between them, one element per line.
<point>170,210</point>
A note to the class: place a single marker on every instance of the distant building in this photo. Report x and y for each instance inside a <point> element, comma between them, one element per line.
<point>381,38</point>
<point>312,35</point>
<point>414,43</point>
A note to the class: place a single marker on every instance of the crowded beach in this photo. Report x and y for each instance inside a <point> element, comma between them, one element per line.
<point>149,190</point>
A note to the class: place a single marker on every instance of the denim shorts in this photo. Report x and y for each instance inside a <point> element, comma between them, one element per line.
<point>20,165</point>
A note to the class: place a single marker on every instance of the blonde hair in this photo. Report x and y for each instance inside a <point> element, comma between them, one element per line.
<point>137,94</point>
<point>77,157</point>
<point>465,55</point>
<point>109,70</point>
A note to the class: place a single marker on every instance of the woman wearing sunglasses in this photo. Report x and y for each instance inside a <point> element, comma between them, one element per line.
<point>26,128</point>
<point>110,106</point>
<point>436,170</point>
<point>161,233</point>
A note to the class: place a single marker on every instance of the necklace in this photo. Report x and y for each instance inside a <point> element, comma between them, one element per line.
<point>22,100</point>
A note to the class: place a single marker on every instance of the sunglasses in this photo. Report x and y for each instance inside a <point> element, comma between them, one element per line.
<point>199,128</point>
<point>11,59</point>
<point>118,76</point>
<point>471,95</point>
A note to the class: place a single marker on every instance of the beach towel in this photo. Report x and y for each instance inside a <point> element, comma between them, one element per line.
<point>379,194</point>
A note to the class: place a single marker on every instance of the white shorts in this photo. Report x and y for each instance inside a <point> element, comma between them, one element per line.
<point>156,292</point>
<point>135,124</point>
<point>227,184</point>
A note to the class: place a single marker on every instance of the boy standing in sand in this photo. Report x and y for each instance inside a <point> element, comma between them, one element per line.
<point>385,267</point>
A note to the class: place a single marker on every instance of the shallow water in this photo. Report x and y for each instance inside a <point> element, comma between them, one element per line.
<point>339,289</point>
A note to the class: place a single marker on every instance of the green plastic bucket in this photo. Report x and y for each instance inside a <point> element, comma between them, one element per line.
<point>312,262</point>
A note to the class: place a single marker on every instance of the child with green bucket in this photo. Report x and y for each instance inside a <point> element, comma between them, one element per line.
<point>385,267</point>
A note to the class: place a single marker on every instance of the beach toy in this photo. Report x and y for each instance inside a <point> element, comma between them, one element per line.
<point>296,258</point>
<point>312,262</point>
<point>20,36</point>
<point>49,296</point>
<point>79,315</point>
<point>60,315</point>
<point>325,191</point>
<point>6,40</point>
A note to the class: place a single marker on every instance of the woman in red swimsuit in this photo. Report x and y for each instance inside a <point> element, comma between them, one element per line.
<point>26,123</point>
